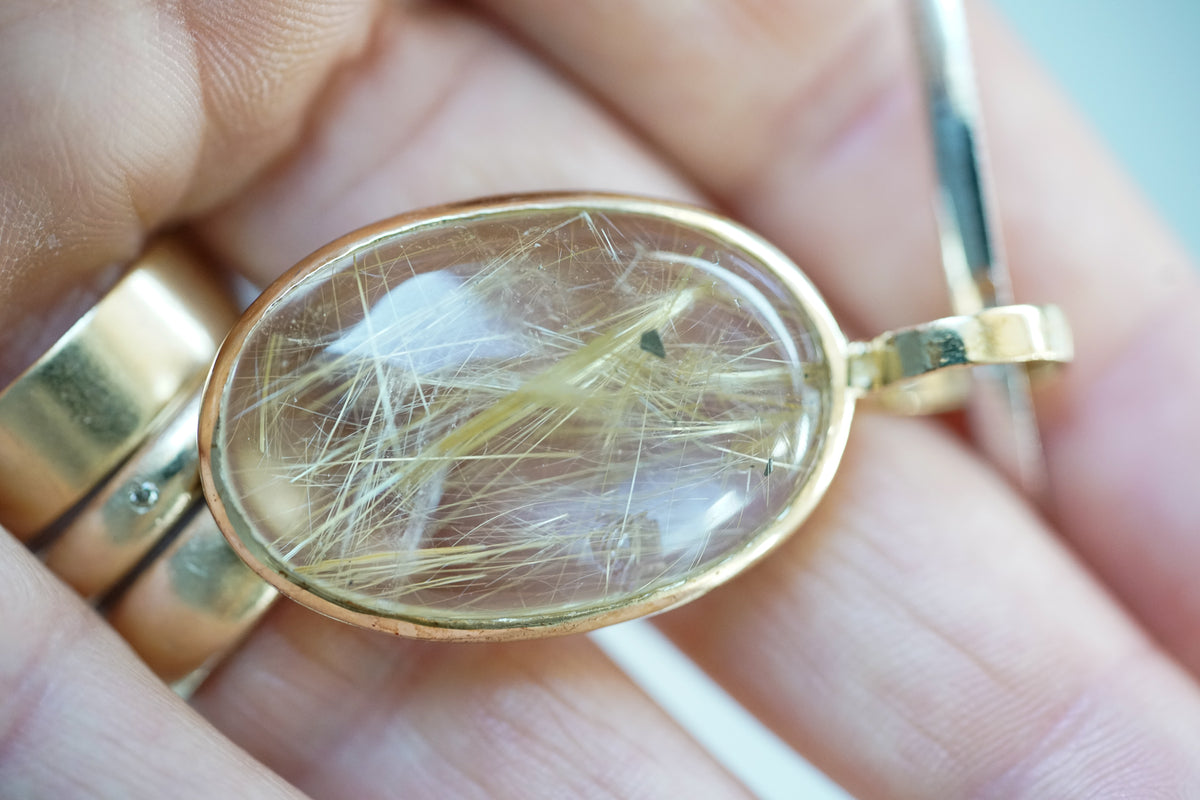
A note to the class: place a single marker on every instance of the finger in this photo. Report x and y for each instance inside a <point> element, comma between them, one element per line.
<point>79,714</point>
<point>117,119</point>
<point>348,713</point>
<point>805,119</point>
<point>1125,450</point>
<point>398,134</point>
<point>923,636</point>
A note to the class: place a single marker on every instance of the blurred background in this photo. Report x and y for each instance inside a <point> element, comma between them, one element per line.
<point>1130,68</point>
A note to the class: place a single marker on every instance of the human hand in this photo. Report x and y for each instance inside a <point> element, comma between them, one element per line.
<point>927,633</point>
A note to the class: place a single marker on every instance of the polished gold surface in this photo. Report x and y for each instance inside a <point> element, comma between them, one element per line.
<point>192,603</point>
<point>911,370</point>
<point>86,404</point>
<point>124,519</point>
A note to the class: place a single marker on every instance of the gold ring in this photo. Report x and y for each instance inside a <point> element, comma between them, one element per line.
<point>109,415</point>
<point>191,604</point>
<point>131,512</point>
<point>74,415</point>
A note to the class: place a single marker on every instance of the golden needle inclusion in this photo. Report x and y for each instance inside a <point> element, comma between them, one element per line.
<point>547,411</point>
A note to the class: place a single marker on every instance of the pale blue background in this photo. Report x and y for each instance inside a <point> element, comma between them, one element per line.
<point>1131,67</point>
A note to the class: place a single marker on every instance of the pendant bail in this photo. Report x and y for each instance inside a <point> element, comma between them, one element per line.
<point>917,370</point>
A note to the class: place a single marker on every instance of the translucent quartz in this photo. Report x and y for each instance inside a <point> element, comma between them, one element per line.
<point>540,413</point>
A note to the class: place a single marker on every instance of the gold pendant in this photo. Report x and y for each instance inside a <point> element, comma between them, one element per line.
<point>538,415</point>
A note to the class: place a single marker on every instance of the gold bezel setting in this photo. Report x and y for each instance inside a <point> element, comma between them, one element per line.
<point>829,340</point>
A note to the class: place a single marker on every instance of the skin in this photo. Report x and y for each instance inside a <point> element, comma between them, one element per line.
<point>929,633</point>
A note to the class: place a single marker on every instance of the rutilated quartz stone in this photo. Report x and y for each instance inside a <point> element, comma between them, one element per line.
<point>525,415</point>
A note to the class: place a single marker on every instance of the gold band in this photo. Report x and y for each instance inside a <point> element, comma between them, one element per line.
<point>86,404</point>
<point>192,603</point>
<point>140,503</point>
<point>120,391</point>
